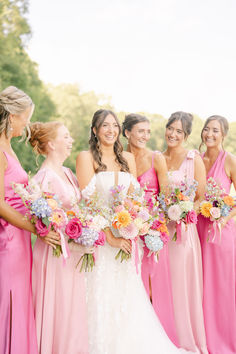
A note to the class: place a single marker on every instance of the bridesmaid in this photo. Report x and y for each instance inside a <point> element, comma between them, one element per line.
<point>219,258</point>
<point>152,172</point>
<point>185,256</point>
<point>17,329</point>
<point>58,286</point>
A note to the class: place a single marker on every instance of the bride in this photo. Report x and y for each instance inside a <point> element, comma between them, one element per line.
<point>121,319</point>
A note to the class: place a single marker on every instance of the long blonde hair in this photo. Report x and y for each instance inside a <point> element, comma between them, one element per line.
<point>12,101</point>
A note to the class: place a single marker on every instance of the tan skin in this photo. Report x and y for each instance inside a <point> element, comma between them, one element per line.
<point>85,168</point>
<point>11,215</point>
<point>176,153</point>
<point>212,137</point>
<point>138,138</point>
<point>58,150</point>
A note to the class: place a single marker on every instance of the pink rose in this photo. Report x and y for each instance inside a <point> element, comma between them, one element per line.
<point>191,217</point>
<point>101,239</point>
<point>41,229</point>
<point>156,224</point>
<point>164,237</point>
<point>74,228</point>
<point>215,212</point>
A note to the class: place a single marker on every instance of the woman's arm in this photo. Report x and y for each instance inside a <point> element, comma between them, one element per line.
<point>200,177</point>
<point>230,167</point>
<point>161,170</point>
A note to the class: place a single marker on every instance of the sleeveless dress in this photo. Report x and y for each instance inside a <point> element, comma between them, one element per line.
<point>17,328</point>
<point>58,286</point>
<point>158,273</point>
<point>219,275</point>
<point>121,318</point>
<point>186,274</point>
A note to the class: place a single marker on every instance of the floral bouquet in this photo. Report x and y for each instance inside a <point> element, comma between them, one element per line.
<point>158,234</point>
<point>178,206</point>
<point>217,204</point>
<point>85,227</point>
<point>44,211</point>
<point>130,217</point>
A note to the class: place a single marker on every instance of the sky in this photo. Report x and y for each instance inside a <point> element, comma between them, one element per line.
<point>156,56</point>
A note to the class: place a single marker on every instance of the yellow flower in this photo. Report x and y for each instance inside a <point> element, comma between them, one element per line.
<point>205,208</point>
<point>123,218</point>
<point>228,200</point>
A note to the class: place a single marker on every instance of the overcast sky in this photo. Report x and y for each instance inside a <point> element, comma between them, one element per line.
<point>148,55</point>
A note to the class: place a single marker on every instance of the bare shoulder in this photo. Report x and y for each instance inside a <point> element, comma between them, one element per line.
<point>3,161</point>
<point>198,162</point>
<point>128,155</point>
<point>230,164</point>
<point>84,157</point>
<point>159,158</point>
<point>131,162</point>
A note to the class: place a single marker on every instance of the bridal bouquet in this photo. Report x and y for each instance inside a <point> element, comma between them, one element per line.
<point>130,217</point>
<point>85,227</point>
<point>158,234</point>
<point>177,204</point>
<point>217,204</point>
<point>44,211</point>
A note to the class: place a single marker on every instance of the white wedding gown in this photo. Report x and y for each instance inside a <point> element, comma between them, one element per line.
<point>120,316</point>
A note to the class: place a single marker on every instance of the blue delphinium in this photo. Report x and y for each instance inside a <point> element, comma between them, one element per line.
<point>225,210</point>
<point>41,208</point>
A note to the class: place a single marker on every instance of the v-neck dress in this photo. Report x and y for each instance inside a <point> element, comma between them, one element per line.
<point>58,287</point>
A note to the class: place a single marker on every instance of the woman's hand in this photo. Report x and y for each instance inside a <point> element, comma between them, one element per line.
<point>124,245</point>
<point>76,247</point>
<point>52,239</point>
<point>224,221</point>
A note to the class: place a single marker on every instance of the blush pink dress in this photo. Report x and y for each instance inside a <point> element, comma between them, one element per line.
<point>158,273</point>
<point>186,274</point>
<point>219,275</point>
<point>58,287</point>
<point>17,326</point>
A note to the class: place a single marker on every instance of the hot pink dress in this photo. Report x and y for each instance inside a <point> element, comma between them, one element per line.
<point>58,287</point>
<point>219,275</point>
<point>186,274</point>
<point>159,273</point>
<point>17,326</point>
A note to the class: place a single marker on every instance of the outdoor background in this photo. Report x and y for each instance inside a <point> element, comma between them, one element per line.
<point>148,56</point>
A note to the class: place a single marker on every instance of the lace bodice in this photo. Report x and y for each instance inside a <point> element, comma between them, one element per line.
<point>103,181</point>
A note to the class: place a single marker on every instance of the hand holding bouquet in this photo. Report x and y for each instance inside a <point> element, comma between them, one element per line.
<point>178,206</point>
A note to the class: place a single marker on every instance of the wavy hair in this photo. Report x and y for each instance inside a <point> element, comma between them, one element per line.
<point>94,143</point>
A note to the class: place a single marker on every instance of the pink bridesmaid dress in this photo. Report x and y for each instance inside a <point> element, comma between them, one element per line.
<point>17,326</point>
<point>219,275</point>
<point>58,286</point>
<point>186,274</point>
<point>158,273</point>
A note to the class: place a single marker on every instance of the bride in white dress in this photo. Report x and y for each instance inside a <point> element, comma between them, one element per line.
<point>120,317</point>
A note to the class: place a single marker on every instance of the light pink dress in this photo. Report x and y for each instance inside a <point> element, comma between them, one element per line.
<point>159,273</point>
<point>219,275</point>
<point>17,326</point>
<point>186,275</point>
<point>58,288</point>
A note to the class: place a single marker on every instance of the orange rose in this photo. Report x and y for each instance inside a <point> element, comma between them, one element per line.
<point>228,200</point>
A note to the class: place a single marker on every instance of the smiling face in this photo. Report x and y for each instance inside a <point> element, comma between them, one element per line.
<point>139,135</point>
<point>174,134</point>
<point>20,121</point>
<point>212,134</point>
<point>108,131</point>
<point>62,144</point>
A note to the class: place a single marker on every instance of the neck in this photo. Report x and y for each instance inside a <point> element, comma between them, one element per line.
<point>174,150</point>
<point>54,162</point>
<point>5,141</point>
<point>136,151</point>
<point>213,152</point>
<point>107,150</point>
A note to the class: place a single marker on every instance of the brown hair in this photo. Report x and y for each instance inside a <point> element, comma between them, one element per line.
<point>12,101</point>
<point>186,120</point>
<point>40,134</point>
<point>97,121</point>
<point>131,120</point>
<point>223,124</point>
